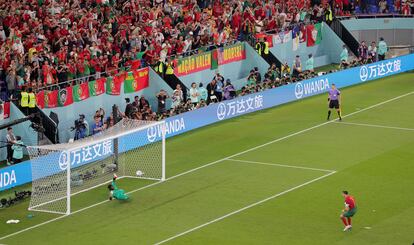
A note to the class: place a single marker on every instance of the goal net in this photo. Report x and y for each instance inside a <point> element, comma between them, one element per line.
<point>131,148</point>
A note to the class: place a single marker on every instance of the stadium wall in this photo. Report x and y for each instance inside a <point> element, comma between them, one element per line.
<point>88,107</point>
<point>327,52</point>
<point>21,173</point>
<point>395,31</point>
<point>233,71</point>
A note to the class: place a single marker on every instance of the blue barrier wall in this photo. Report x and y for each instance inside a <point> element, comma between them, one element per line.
<point>395,31</point>
<point>21,173</point>
<point>327,52</point>
<point>29,136</point>
<point>68,114</point>
<point>378,23</point>
<point>233,71</point>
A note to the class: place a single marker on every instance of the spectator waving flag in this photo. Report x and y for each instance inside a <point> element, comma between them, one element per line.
<point>97,87</point>
<point>80,92</point>
<point>314,34</point>
<point>295,38</point>
<point>65,96</point>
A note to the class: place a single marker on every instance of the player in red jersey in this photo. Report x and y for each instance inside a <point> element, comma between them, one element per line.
<point>349,211</point>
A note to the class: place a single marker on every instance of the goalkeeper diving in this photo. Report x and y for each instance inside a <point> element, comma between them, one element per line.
<point>116,193</point>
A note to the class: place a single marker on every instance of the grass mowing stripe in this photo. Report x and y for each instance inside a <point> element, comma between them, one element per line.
<point>212,163</point>
<point>244,208</point>
<point>281,165</point>
<point>376,126</point>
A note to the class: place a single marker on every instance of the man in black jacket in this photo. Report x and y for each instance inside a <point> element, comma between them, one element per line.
<point>212,92</point>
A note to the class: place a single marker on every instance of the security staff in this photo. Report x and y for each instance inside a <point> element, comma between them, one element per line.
<point>24,101</point>
<point>328,15</point>
<point>170,68</point>
<point>32,101</point>
<point>265,47</point>
<point>169,71</point>
<point>259,48</point>
<point>159,68</point>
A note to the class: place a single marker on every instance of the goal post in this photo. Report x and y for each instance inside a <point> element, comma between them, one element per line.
<point>129,149</point>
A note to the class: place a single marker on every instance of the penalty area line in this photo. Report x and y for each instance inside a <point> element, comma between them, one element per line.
<point>375,126</point>
<point>281,165</point>
<point>244,208</point>
<point>211,163</point>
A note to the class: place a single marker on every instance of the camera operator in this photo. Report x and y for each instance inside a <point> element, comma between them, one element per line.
<point>81,128</point>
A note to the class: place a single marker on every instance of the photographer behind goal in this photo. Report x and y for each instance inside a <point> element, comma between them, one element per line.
<point>81,128</point>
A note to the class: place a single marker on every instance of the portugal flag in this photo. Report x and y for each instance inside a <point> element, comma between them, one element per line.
<point>130,84</point>
<point>51,99</point>
<point>40,99</point>
<point>313,34</point>
<point>142,78</point>
<point>80,92</point>
<point>97,87</point>
<point>113,84</point>
<point>65,96</point>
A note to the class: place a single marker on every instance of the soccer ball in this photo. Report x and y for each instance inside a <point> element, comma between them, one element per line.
<point>139,173</point>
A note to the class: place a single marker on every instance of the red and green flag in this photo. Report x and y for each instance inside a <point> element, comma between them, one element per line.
<point>113,84</point>
<point>97,87</point>
<point>269,40</point>
<point>214,59</point>
<point>141,78</point>
<point>80,92</point>
<point>65,96</point>
<point>130,84</point>
<point>51,99</point>
<point>40,99</point>
<point>231,54</point>
<point>313,34</point>
<point>136,80</point>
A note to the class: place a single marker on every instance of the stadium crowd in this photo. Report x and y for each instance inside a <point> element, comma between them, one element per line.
<point>46,42</point>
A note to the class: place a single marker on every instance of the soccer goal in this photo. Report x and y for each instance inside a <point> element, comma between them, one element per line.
<point>129,149</point>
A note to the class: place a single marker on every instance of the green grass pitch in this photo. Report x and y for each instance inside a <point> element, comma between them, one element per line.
<point>287,191</point>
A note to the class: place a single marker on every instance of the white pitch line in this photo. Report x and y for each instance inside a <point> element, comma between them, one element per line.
<point>243,209</point>
<point>210,164</point>
<point>281,165</point>
<point>376,126</point>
